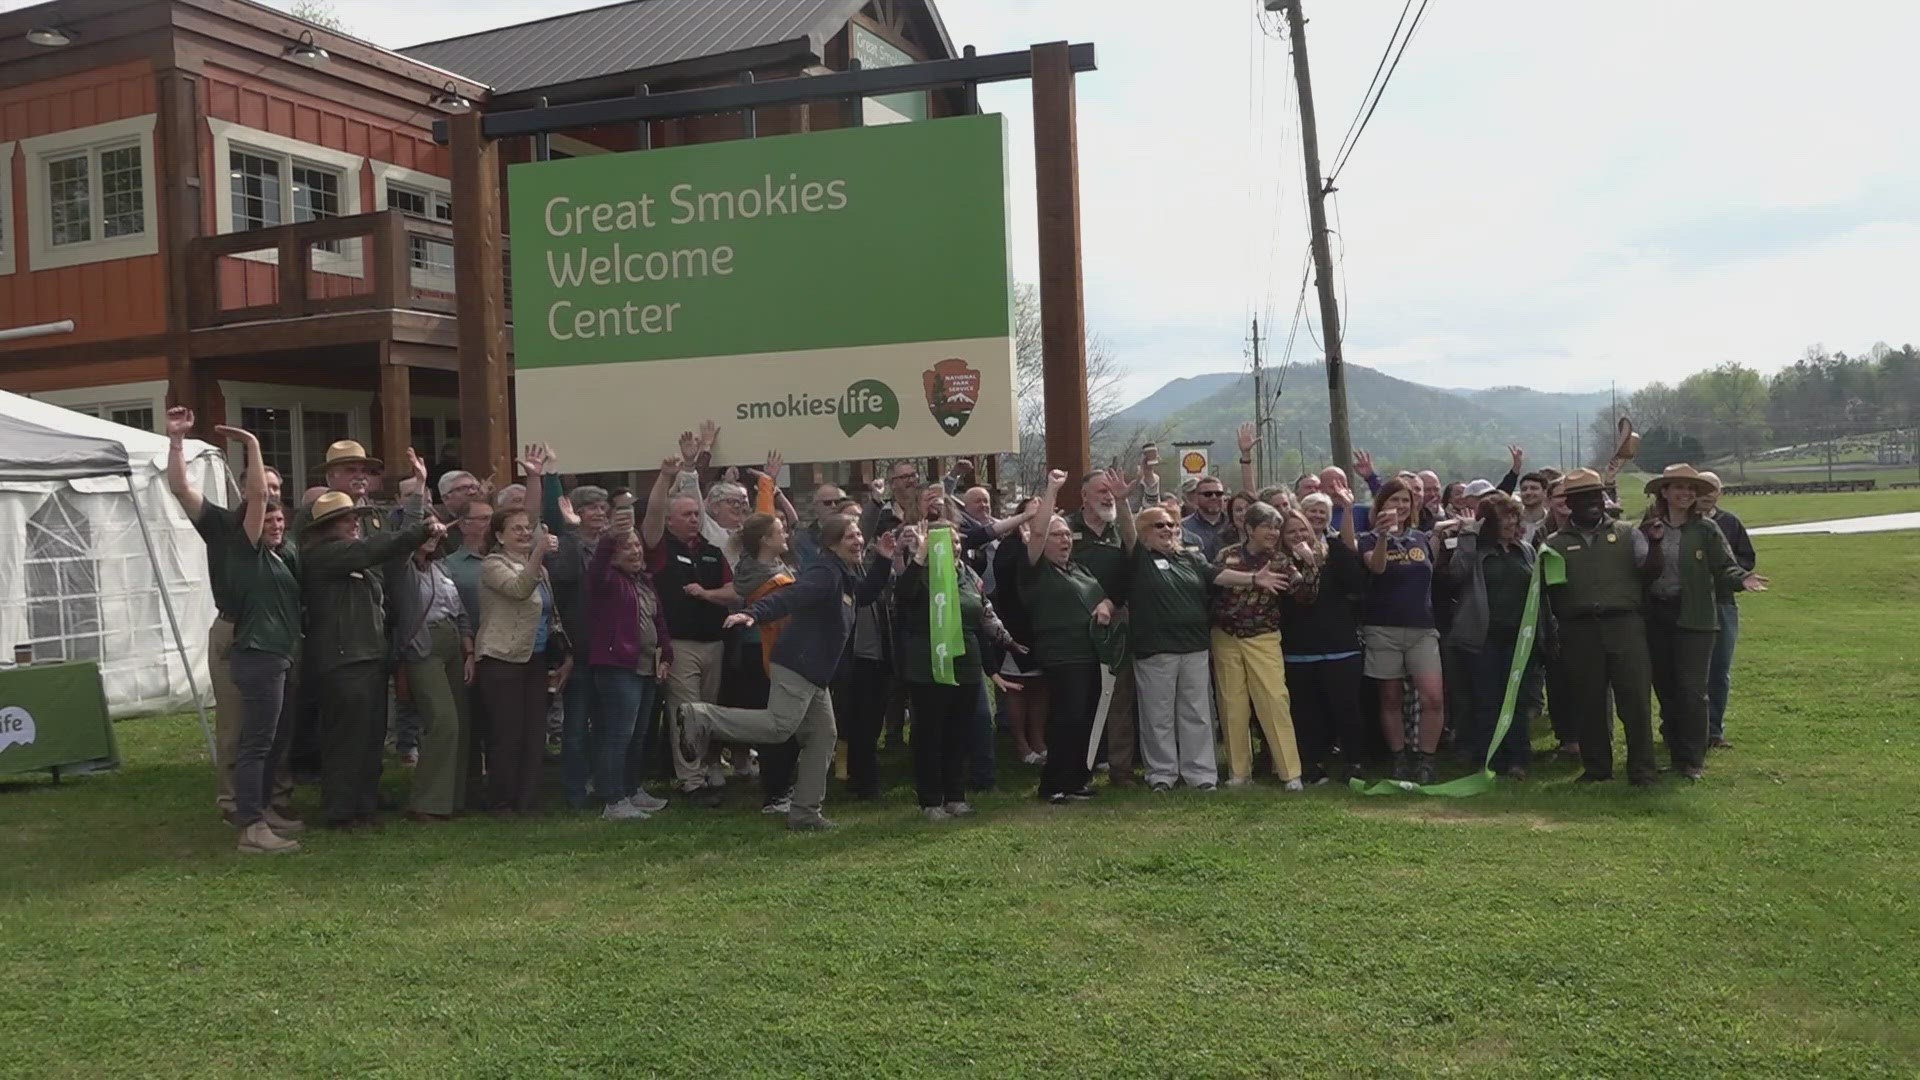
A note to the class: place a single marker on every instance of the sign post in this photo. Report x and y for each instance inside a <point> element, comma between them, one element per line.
<point>835,295</point>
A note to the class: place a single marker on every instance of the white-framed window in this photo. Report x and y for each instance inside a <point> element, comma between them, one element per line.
<point>296,424</point>
<point>137,405</point>
<point>7,231</point>
<point>428,198</point>
<point>272,180</point>
<point>90,195</point>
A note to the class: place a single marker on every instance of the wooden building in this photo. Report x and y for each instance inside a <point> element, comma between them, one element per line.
<point>247,213</point>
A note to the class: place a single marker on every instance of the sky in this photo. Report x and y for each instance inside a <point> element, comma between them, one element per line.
<point>1555,195</point>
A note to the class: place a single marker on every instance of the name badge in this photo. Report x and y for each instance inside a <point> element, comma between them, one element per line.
<point>1163,564</point>
<point>685,559</point>
<point>1699,554</point>
<point>1573,547</point>
<point>1613,538</point>
<point>357,575</point>
<point>848,600</point>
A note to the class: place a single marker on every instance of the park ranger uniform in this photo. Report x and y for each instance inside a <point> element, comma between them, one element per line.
<point>1603,640</point>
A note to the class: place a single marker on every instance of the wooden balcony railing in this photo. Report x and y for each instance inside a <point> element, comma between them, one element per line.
<point>362,263</point>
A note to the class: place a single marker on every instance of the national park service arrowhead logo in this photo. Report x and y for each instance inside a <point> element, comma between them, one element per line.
<point>953,389</point>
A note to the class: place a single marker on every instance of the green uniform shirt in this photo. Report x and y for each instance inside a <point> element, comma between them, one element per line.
<point>911,619</point>
<point>1103,555</point>
<point>1603,577</point>
<point>342,584</point>
<point>1061,602</point>
<point>1168,601</point>
<point>255,586</point>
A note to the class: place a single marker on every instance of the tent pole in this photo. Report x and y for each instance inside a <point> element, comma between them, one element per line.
<point>179,643</point>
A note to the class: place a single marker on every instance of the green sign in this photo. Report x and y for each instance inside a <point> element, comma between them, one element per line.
<point>832,295</point>
<point>52,716</point>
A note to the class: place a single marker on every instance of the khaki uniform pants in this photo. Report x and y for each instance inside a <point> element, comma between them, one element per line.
<point>693,679</point>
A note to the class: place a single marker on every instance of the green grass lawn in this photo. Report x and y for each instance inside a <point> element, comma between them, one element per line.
<point>1764,923</point>
<point>1755,510</point>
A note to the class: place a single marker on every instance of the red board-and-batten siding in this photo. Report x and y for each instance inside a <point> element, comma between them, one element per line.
<point>119,298</point>
<point>253,103</point>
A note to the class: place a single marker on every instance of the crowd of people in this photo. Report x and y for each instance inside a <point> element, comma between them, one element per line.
<point>711,625</point>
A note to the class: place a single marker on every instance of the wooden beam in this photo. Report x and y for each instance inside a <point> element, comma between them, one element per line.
<point>396,409</point>
<point>486,433</point>
<point>1063,299</point>
<point>179,168</point>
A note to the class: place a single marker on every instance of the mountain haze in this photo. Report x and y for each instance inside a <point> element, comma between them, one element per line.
<point>1404,424</point>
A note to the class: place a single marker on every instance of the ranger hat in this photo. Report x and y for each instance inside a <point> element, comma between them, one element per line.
<point>348,452</point>
<point>1580,480</point>
<point>332,505</point>
<point>1681,473</point>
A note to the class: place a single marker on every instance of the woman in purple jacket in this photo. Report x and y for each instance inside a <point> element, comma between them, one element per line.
<point>630,655</point>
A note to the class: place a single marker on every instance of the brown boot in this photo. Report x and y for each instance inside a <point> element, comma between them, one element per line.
<point>259,839</point>
<point>281,824</point>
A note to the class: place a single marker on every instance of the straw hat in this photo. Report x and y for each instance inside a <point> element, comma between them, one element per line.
<point>1580,480</point>
<point>348,452</point>
<point>332,505</point>
<point>1681,473</point>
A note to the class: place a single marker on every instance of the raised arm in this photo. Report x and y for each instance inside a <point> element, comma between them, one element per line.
<point>254,495</point>
<point>1249,438</point>
<point>1382,532</point>
<point>1043,514</point>
<point>1129,536</point>
<point>654,525</point>
<point>179,423</point>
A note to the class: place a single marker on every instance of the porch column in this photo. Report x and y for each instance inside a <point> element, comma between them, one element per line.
<point>1063,300</point>
<point>396,414</point>
<point>486,431</point>
<point>178,150</point>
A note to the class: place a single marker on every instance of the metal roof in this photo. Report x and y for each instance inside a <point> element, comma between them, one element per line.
<point>631,36</point>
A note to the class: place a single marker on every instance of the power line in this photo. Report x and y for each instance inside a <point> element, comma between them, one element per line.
<point>1341,160</point>
<point>1375,80</point>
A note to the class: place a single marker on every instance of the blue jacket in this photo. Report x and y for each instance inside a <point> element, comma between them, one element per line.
<point>819,608</point>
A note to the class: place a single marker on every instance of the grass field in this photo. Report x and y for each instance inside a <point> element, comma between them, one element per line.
<point>1764,923</point>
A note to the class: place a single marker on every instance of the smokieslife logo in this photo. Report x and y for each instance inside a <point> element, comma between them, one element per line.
<point>16,727</point>
<point>867,403</point>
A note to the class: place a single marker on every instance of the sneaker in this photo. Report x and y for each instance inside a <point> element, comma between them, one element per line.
<point>1719,744</point>
<point>623,810</point>
<point>1693,772</point>
<point>778,806</point>
<point>958,809</point>
<point>808,821</point>
<point>935,814</point>
<point>1031,758</point>
<point>284,826</point>
<point>1058,798</point>
<point>1161,787</point>
<point>652,804</point>
<point>1204,787</point>
<point>1297,785</point>
<point>258,839</point>
<point>1240,782</point>
<point>1079,795</point>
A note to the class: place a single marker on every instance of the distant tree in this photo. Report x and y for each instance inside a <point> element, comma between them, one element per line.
<point>319,13</point>
<point>1029,466</point>
<point>1661,447</point>
<point>1731,401</point>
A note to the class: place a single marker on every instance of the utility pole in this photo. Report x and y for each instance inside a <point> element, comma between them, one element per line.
<point>1576,441</point>
<point>1560,440</point>
<point>1330,331</point>
<point>1259,408</point>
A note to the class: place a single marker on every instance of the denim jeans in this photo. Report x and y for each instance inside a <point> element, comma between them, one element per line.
<point>577,737</point>
<point>622,701</point>
<point>980,742</point>
<point>1720,674</point>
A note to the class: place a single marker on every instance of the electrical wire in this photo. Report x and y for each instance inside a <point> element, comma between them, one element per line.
<point>1375,80</point>
<point>1412,29</point>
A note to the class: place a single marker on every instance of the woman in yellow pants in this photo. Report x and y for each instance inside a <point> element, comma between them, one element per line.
<point>1247,664</point>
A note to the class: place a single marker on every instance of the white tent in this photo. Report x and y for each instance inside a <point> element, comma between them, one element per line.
<point>97,560</point>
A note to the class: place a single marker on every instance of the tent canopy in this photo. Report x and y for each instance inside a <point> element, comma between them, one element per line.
<point>30,452</point>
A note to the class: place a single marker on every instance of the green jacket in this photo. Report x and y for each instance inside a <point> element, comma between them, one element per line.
<point>344,593</point>
<point>1707,565</point>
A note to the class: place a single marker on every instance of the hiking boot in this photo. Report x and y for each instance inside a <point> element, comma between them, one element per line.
<point>778,806</point>
<point>258,839</point>
<point>808,821</point>
<point>958,809</point>
<point>935,814</point>
<point>1403,765</point>
<point>285,826</point>
<point>1427,770</point>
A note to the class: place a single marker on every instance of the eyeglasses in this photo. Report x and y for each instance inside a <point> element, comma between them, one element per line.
<point>1212,494</point>
<point>1162,525</point>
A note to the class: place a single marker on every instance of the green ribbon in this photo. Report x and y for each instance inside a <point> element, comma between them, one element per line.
<point>943,605</point>
<point>1482,781</point>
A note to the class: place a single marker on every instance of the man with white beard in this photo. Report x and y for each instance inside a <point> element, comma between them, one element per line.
<point>1098,548</point>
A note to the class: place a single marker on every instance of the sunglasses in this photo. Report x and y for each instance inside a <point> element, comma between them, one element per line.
<point>1161,525</point>
<point>1213,494</point>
